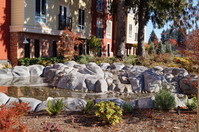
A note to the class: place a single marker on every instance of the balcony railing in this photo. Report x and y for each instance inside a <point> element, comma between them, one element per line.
<point>65,22</point>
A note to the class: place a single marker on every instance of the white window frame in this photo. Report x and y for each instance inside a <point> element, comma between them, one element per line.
<point>81,28</point>
<point>38,18</point>
<point>108,34</point>
<point>136,36</point>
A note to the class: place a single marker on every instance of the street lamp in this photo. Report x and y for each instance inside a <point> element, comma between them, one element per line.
<point>25,41</point>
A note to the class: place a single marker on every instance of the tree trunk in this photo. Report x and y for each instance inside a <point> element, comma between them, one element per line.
<point>141,26</point>
<point>121,30</point>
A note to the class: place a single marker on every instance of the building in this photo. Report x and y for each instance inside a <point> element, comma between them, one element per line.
<point>5,20</point>
<point>102,24</point>
<point>36,25</point>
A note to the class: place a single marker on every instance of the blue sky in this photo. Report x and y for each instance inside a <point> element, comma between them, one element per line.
<point>158,32</point>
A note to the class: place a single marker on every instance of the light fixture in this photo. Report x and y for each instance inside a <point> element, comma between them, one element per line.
<point>25,41</point>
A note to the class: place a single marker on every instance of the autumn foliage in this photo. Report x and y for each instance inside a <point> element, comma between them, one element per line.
<point>68,41</point>
<point>192,44</point>
<point>10,117</point>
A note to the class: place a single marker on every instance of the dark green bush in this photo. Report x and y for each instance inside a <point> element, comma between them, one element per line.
<point>164,100</point>
<point>127,108</point>
<point>108,112</point>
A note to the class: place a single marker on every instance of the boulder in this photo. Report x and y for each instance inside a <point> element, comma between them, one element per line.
<point>32,103</point>
<point>180,100</point>
<point>73,80</point>
<point>90,83</point>
<point>36,70</point>
<point>127,67</point>
<point>70,63</point>
<point>189,84</point>
<point>119,88</point>
<point>105,66</point>
<point>101,86</point>
<point>135,75</point>
<point>108,75</point>
<point>95,69</point>
<point>178,73</point>
<point>143,103</point>
<point>117,66</point>
<point>3,98</point>
<point>20,81</point>
<point>5,74</point>
<point>12,100</point>
<point>152,81</point>
<point>20,71</point>
<point>117,101</point>
<point>74,104</point>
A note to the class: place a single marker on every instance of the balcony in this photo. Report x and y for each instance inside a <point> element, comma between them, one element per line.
<point>65,22</point>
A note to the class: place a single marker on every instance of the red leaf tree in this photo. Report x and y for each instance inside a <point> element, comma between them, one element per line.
<point>67,43</point>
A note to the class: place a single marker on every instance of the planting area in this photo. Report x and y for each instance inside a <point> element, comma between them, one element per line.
<point>148,120</point>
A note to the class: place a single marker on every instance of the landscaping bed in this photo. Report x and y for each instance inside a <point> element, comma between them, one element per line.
<point>141,120</point>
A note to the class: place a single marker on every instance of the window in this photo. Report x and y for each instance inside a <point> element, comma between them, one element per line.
<point>108,29</point>
<point>100,4</point>
<point>130,31</point>
<point>81,20</point>
<point>54,49</point>
<point>99,31</point>
<point>40,11</point>
<point>131,11</point>
<point>136,36</point>
<point>109,6</point>
<point>37,48</point>
<point>64,19</point>
<point>27,49</point>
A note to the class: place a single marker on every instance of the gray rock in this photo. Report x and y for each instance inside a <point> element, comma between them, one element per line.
<point>124,80</point>
<point>105,66</point>
<point>90,83</point>
<point>135,76</point>
<point>108,75</point>
<point>180,99</point>
<point>152,81</point>
<point>20,71</point>
<point>70,63</point>
<point>36,70</point>
<point>158,68</point>
<point>12,100</point>
<point>80,66</point>
<point>128,88</point>
<point>6,82</point>
<point>73,80</point>
<point>74,104</point>
<point>127,67</point>
<point>101,86</point>
<point>33,103</point>
<point>178,73</point>
<point>111,87</point>
<point>5,74</point>
<point>3,98</point>
<point>146,103</point>
<point>119,88</point>
<point>20,81</point>
<point>95,69</point>
<point>117,101</point>
<point>189,84</point>
<point>109,81</point>
<point>117,66</point>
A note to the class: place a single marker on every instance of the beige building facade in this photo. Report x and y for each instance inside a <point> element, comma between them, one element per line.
<point>41,23</point>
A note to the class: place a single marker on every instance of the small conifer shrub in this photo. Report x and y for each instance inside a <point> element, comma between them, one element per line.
<point>55,108</point>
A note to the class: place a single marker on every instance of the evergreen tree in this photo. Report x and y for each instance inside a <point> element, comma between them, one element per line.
<point>153,38</point>
<point>168,48</point>
<point>152,49</point>
<point>160,49</point>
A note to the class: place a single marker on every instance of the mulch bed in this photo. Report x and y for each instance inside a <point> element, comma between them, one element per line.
<point>148,120</point>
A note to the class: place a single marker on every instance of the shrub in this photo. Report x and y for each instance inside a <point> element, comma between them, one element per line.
<point>83,59</point>
<point>94,45</point>
<point>193,104</point>
<point>10,117</point>
<point>89,107</point>
<point>168,48</point>
<point>131,59</point>
<point>52,127</point>
<point>160,49</point>
<point>152,49</point>
<point>127,108</point>
<point>164,100</point>
<point>56,107</point>
<point>108,112</point>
